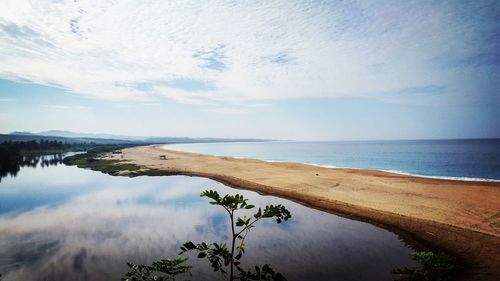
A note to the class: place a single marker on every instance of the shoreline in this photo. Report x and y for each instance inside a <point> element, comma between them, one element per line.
<point>460,217</point>
<point>399,172</point>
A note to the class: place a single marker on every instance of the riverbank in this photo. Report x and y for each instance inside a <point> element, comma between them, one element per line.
<point>458,216</point>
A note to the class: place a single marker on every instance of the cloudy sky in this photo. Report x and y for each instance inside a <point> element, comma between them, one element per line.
<point>306,70</point>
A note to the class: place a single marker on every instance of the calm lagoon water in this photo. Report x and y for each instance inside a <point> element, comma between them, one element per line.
<point>460,159</point>
<point>64,223</point>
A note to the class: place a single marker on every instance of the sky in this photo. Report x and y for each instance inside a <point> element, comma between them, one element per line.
<point>301,70</point>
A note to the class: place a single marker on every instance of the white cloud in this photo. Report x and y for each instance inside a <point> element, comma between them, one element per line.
<point>262,50</point>
<point>7,100</point>
<point>66,107</point>
<point>227,110</point>
<point>186,97</point>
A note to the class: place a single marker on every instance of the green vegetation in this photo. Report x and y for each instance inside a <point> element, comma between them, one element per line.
<point>226,260</point>
<point>108,166</point>
<point>92,160</point>
<point>97,149</point>
<point>16,149</point>
<point>433,267</point>
<point>35,145</point>
<point>16,154</point>
<point>161,270</point>
<point>76,139</point>
<point>223,259</point>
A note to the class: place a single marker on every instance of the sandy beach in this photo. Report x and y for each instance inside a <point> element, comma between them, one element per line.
<point>460,217</point>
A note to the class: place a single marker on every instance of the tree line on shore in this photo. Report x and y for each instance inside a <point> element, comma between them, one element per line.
<point>34,145</point>
<point>16,154</point>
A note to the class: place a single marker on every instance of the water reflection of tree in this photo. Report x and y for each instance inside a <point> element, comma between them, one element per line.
<point>13,155</point>
<point>10,164</point>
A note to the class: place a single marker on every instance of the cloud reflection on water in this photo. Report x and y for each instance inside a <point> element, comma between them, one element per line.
<point>111,220</point>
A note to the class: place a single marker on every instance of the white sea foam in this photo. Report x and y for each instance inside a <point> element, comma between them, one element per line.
<point>170,147</point>
<point>405,173</point>
<point>400,173</point>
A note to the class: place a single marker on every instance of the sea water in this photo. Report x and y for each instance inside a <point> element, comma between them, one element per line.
<point>476,159</point>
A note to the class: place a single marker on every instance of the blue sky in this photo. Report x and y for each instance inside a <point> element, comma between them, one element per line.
<point>305,70</point>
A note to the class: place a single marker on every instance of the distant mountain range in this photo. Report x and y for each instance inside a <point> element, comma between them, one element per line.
<point>67,136</point>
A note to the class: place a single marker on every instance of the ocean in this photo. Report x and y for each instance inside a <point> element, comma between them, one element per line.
<point>461,159</point>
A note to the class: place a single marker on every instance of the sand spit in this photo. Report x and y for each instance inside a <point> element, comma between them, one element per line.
<point>462,217</point>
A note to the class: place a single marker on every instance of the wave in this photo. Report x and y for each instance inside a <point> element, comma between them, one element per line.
<point>396,172</point>
<point>417,175</point>
<point>399,172</point>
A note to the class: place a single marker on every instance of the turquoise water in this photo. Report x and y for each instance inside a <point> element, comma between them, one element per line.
<point>61,222</point>
<point>460,159</point>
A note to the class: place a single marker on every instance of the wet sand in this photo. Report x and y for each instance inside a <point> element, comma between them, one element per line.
<point>461,217</point>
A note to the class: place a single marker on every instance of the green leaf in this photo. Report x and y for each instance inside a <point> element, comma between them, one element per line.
<point>188,246</point>
<point>279,212</point>
<point>240,222</point>
<point>202,255</point>
<point>219,255</point>
<point>258,214</point>
<point>212,194</point>
<point>238,256</point>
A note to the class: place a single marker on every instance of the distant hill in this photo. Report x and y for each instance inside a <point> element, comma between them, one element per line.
<point>30,137</point>
<point>23,133</point>
<point>68,134</point>
<point>71,137</point>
